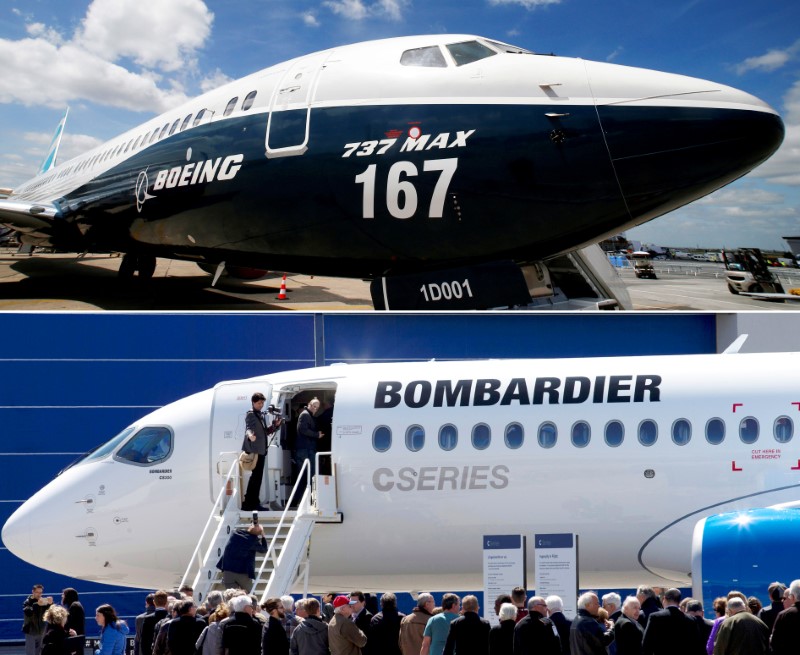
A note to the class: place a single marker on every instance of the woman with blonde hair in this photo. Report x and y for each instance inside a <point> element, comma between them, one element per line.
<point>55,639</point>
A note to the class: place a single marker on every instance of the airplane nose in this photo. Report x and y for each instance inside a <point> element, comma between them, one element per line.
<point>16,533</point>
<point>682,138</point>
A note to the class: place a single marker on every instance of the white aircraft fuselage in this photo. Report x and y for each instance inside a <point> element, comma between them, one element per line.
<point>630,453</point>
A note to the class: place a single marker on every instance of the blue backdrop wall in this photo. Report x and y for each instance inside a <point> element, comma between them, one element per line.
<point>69,382</point>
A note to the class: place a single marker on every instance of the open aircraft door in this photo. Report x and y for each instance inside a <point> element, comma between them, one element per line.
<point>289,122</point>
<point>231,403</point>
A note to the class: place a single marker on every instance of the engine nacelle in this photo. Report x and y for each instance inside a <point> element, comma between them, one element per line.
<point>744,551</point>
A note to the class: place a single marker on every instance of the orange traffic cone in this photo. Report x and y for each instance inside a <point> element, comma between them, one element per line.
<point>282,294</point>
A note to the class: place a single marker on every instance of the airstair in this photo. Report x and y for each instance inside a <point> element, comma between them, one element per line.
<point>288,532</point>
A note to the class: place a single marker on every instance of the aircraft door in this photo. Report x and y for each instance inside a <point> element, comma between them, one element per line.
<point>289,122</point>
<point>231,403</point>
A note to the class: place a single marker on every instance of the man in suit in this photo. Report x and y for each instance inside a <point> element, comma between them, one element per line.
<point>694,610</point>
<point>628,634</point>
<point>670,631</point>
<point>361,617</point>
<point>149,608</point>
<point>743,633</point>
<point>769,614</point>
<point>160,600</point>
<point>555,610</point>
<point>256,441</point>
<point>536,633</point>
<point>469,634</point>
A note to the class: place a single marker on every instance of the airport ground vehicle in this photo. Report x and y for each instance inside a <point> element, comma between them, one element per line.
<point>747,272</point>
<point>643,265</point>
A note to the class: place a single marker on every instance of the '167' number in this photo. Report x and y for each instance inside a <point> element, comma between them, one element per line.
<point>401,194</point>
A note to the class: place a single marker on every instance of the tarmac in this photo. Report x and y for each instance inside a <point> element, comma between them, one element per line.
<point>66,282</point>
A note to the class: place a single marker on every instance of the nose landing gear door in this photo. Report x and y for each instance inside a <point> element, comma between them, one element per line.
<point>289,123</point>
<point>231,403</point>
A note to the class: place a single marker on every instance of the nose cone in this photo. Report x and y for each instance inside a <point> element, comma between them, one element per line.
<point>673,139</point>
<point>17,533</point>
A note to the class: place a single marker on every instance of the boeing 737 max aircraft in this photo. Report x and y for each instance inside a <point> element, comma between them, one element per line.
<point>673,470</point>
<point>411,155</point>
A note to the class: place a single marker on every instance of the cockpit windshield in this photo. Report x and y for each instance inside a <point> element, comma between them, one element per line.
<point>512,49</point>
<point>108,447</point>
<point>428,57</point>
<point>467,52</point>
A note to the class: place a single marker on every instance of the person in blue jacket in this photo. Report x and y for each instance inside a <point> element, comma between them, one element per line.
<point>112,632</point>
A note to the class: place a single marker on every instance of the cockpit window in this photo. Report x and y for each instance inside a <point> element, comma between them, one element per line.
<point>148,446</point>
<point>505,47</point>
<point>469,51</point>
<point>430,57</point>
<point>109,446</point>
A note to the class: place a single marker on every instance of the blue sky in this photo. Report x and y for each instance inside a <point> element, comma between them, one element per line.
<point>118,62</point>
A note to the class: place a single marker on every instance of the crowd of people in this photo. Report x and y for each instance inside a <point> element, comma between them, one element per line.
<point>231,622</point>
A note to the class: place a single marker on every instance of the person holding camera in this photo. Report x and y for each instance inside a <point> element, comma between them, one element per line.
<point>33,610</point>
<point>256,441</point>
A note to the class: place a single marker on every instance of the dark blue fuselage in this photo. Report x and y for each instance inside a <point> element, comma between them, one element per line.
<point>460,183</point>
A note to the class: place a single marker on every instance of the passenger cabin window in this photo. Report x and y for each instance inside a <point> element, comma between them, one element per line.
<point>148,446</point>
<point>448,437</point>
<point>515,435</point>
<point>581,434</point>
<point>648,432</point>
<point>230,106</point>
<point>715,431</point>
<point>381,438</point>
<point>615,433</point>
<point>155,135</point>
<point>481,436</point>
<point>249,99</point>
<point>185,122</point>
<point>748,430</point>
<point>681,432</point>
<point>415,438</point>
<point>136,143</point>
<point>784,429</point>
<point>174,126</point>
<point>163,132</point>
<point>547,435</point>
<point>469,51</point>
<point>199,117</point>
<point>429,57</point>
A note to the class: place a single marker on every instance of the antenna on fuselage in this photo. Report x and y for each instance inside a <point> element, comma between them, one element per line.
<point>736,346</point>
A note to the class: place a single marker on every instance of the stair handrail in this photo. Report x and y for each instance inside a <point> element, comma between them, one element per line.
<point>305,471</point>
<point>218,505</point>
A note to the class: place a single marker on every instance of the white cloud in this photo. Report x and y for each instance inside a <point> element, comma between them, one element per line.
<point>37,72</point>
<point>784,166</point>
<point>215,80</point>
<point>310,19</point>
<point>53,70</point>
<point>40,30</point>
<point>528,4</point>
<point>155,34</point>
<point>771,61</point>
<point>71,146</point>
<point>360,10</point>
<point>616,53</point>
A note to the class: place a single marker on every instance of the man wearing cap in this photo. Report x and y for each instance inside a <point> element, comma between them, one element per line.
<point>344,638</point>
<point>274,640</point>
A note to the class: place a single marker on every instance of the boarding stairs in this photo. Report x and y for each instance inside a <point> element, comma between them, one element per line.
<point>288,532</point>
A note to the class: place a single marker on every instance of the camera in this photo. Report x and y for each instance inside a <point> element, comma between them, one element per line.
<point>255,517</point>
<point>275,411</point>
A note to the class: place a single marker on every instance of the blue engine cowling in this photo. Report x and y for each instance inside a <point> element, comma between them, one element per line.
<point>744,551</point>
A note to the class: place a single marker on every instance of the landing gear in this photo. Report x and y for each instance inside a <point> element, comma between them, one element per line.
<point>133,262</point>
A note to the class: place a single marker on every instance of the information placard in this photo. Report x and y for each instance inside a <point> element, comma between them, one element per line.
<point>503,569</point>
<point>556,558</point>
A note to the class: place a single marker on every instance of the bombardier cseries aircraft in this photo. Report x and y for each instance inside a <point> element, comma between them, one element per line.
<point>415,155</point>
<point>671,469</point>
